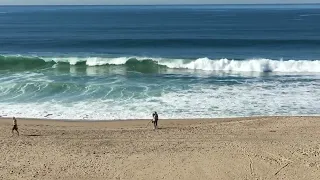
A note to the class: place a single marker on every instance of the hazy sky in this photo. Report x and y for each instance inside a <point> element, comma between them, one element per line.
<point>124,2</point>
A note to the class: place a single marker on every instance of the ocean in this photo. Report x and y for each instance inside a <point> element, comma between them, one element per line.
<point>187,61</point>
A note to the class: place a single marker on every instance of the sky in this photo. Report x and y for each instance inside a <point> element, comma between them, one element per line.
<point>147,2</point>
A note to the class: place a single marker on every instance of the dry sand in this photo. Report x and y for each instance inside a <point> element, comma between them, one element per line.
<point>240,148</point>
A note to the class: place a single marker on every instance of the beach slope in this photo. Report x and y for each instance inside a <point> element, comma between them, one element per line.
<point>239,148</point>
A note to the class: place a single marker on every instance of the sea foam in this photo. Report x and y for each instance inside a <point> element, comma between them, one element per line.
<point>205,101</point>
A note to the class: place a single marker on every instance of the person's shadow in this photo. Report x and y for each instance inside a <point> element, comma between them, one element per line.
<point>30,135</point>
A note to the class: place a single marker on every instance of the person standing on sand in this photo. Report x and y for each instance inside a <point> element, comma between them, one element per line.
<point>155,120</point>
<point>15,126</point>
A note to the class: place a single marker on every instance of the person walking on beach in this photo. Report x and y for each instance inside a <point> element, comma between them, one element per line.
<point>155,120</point>
<point>15,126</point>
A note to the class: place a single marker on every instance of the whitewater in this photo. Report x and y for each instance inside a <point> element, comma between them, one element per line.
<point>206,64</point>
<point>121,99</point>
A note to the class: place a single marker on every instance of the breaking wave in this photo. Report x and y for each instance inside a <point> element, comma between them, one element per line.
<point>206,64</point>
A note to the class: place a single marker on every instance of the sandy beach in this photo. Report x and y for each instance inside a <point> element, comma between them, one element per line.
<point>238,148</point>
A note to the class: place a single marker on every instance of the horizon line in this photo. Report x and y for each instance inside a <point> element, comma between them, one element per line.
<point>189,4</point>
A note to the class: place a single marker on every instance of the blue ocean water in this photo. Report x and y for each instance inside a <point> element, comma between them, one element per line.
<point>124,62</point>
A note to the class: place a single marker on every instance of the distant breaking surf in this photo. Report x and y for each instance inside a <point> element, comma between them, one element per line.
<point>206,64</point>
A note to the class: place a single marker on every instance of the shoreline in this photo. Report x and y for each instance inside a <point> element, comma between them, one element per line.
<point>166,119</point>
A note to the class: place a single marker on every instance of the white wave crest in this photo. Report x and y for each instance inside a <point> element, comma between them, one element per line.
<point>206,64</point>
<point>253,65</point>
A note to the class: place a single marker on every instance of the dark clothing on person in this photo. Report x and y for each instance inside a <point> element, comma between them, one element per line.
<point>155,120</point>
<point>15,127</point>
<point>155,123</point>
